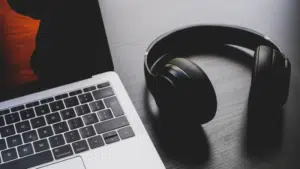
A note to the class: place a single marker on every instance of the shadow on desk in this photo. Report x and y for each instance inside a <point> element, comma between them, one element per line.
<point>262,132</point>
<point>179,141</point>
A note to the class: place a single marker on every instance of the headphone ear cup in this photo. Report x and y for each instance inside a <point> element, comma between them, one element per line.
<point>195,95</point>
<point>264,85</point>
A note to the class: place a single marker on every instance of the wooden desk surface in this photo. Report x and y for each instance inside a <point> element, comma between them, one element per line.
<point>132,25</point>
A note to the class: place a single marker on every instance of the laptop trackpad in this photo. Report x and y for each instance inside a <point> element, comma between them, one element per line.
<point>74,163</point>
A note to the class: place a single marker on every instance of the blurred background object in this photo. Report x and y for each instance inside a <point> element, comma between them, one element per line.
<point>17,43</point>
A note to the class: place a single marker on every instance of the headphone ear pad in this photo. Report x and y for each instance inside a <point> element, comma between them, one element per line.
<point>196,92</point>
<point>263,83</point>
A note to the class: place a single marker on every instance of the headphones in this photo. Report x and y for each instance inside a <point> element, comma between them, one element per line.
<point>183,88</point>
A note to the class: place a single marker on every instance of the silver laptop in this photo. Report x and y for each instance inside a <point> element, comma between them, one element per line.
<point>89,124</point>
<point>85,124</point>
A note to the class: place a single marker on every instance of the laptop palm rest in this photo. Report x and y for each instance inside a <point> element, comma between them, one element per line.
<point>73,163</point>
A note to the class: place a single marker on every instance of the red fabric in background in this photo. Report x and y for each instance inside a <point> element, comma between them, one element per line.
<point>17,41</point>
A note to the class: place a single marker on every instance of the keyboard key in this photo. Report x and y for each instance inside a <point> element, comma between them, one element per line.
<point>84,98</point>
<point>38,122</point>
<point>75,123</point>
<point>56,106</point>
<point>14,141</point>
<point>2,123</point>
<point>30,136</point>
<point>111,137</point>
<point>126,132</point>
<point>88,89</point>
<point>27,114</point>
<point>80,146</point>
<point>45,132</point>
<point>90,119</point>
<point>12,118</point>
<point>103,85</point>
<point>87,131</point>
<point>3,112</point>
<point>56,141</point>
<point>105,114</point>
<point>62,152</point>
<point>60,127</point>
<point>25,150</point>
<point>72,136</point>
<point>97,105</point>
<point>77,92</point>
<point>17,108</point>
<point>83,109</point>
<point>68,114</point>
<point>62,96</point>
<point>111,124</point>
<point>114,104</point>
<point>53,118</point>
<point>8,155</point>
<point>2,144</point>
<point>32,104</point>
<point>48,100</point>
<point>7,131</point>
<point>41,145</point>
<point>72,101</point>
<point>29,161</point>
<point>95,142</point>
<point>101,93</point>
<point>23,126</point>
<point>41,110</point>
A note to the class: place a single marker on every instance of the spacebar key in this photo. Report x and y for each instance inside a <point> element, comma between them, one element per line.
<point>30,161</point>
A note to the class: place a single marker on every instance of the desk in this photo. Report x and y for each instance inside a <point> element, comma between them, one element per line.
<point>132,25</point>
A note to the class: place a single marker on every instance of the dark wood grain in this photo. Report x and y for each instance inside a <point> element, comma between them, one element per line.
<point>132,25</point>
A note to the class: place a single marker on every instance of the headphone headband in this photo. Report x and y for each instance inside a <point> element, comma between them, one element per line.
<point>202,35</point>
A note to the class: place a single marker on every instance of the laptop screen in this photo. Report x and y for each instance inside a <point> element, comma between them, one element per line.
<point>41,48</point>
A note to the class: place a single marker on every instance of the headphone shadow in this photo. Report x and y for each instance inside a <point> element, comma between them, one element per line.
<point>262,134</point>
<point>178,141</point>
<point>263,127</point>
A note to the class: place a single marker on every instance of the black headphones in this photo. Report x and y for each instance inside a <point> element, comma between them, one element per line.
<point>181,86</point>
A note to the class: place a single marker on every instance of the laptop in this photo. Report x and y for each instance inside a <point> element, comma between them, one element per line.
<point>85,123</point>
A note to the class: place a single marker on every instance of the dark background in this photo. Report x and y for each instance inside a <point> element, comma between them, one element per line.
<point>132,25</point>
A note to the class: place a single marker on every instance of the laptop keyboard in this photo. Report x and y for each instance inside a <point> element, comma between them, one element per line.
<point>56,127</point>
